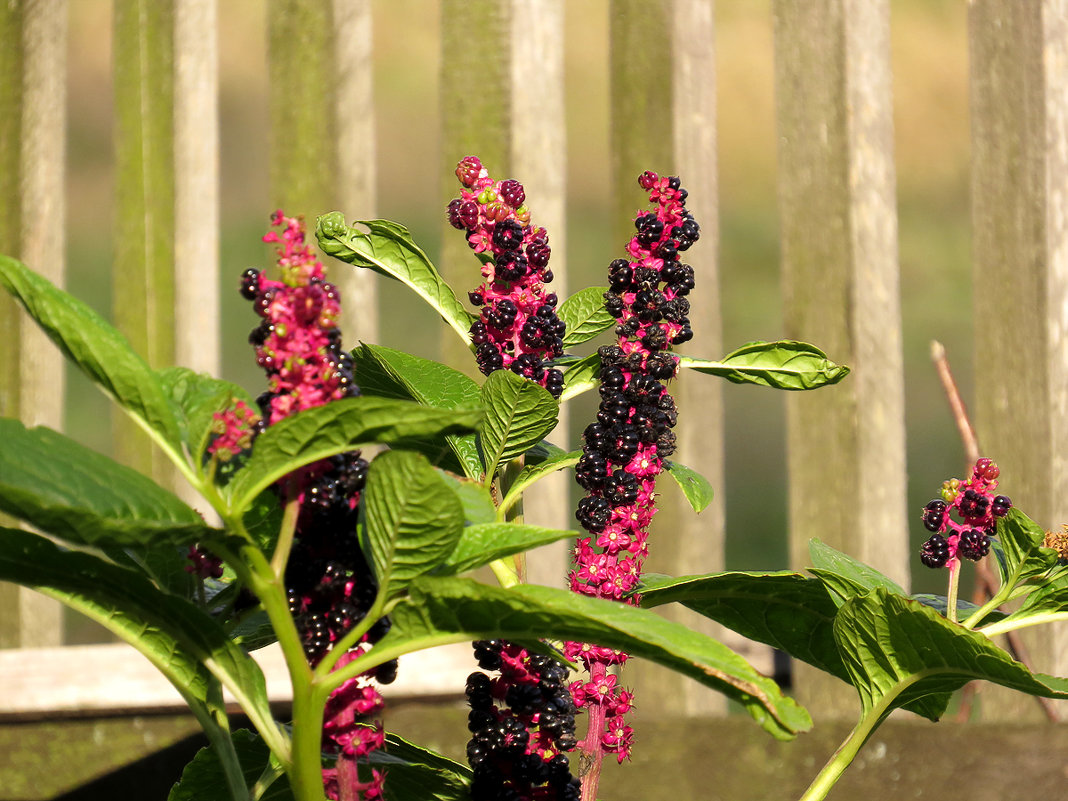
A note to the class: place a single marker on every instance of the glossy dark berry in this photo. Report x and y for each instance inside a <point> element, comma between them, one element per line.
<point>974,544</point>
<point>1000,506</point>
<point>512,193</point>
<point>935,552</point>
<point>934,515</point>
<point>250,284</point>
<point>507,235</point>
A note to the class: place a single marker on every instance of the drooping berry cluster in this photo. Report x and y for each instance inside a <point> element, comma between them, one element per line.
<point>517,328</point>
<point>623,451</point>
<point>977,507</point>
<point>524,718</point>
<point>328,581</point>
<point>521,723</point>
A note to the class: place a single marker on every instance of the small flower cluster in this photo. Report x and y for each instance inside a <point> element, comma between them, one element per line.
<point>298,343</point>
<point>623,451</point>
<point>328,581</point>
<point>232,431</point>
<point>978,508</point>
<point>517,328</point>
<point>516,750</point>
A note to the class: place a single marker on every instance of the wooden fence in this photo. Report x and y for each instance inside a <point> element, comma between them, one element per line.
<point>502,89</point>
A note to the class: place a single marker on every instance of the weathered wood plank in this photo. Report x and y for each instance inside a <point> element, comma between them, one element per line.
<point>475,107</point>
<point>39,239</point>
<point>664,118</point>
<point>539,161</point>
<point>144,278</point>
<point>38,683</point>
<point>840,287</point>
<point>196,191</point>
<point>1019,105</point>
<point>356,158</point>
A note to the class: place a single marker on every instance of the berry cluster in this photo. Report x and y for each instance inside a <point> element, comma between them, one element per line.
<point>298,343</point>
<point>517,328</point>
<point>232,431</point>
<point>623,451</point>
<point>515,749</point>
<point>328,581</point>
<point>521,723</point>
<point>978,508</point>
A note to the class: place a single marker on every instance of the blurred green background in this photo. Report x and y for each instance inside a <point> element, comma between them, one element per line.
<point>932,151</point>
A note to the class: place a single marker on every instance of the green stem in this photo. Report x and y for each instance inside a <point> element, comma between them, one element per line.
<point>954,585</point>
<point>997,600</point>
<point>306,772</point>
<point>217,730</point>
<point>844,755</point>
<point>1008,624</point>
<point>289,527</point>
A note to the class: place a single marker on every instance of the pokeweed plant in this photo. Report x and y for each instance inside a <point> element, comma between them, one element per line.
<point>900,651</point>
<point>348,563</point>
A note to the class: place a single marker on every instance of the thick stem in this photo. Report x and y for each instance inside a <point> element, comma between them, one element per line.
<point>347,778</point>
<point>592,757</point>
<point>306,773</point>
<point>841,759</point>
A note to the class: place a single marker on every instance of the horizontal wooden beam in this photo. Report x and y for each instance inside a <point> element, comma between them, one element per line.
<point>115,679</point>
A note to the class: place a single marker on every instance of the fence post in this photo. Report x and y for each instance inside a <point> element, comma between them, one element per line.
<point>33,145</point>
<point>539,161</point>
<point>663,118</point>
<point>475,109</point>
<point>846,444</point>
<point>1019,97</point>
<point>322,129</point>
<point>143,274</point>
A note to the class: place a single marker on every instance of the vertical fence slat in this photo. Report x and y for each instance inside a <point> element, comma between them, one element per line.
<point>10,207</point>
<point>303,127</point>
<point>698,544</point>
<point>539,161</point>
<point>356,155</point>
<point>33,147</point>
<point>475,108</point>
<point>839,254</point>
<point>143,276</point>
<point>196,193</point>
<point>1019,97</point>
<point>663,119</point>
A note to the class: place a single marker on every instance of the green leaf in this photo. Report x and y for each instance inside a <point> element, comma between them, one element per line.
<point>196,397</point>
<point>387,248</point>
<point>581,375</point>
<point>418,774</point>
<point>443,610</point>
<point>940,604</point>
<point>844,575</point>
<point>97,348</point>
<point>186,645</point>
<point>518,414</point>
<point>202,779</point>
<point>1022,558</point>
<point>337,427</point>
<point>413,519</point>
<point>544,450</point>
<point>585,316</point>
<point>534,473</point>
<point>693,485</point>
<point>1045,601</point>
<point>901,653</point>
<point>780,365</point>
<point>75,493</point>
<point>476,499</point>
<point>785,610</point>
<point>486,542</point>
<point>387,373</point>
